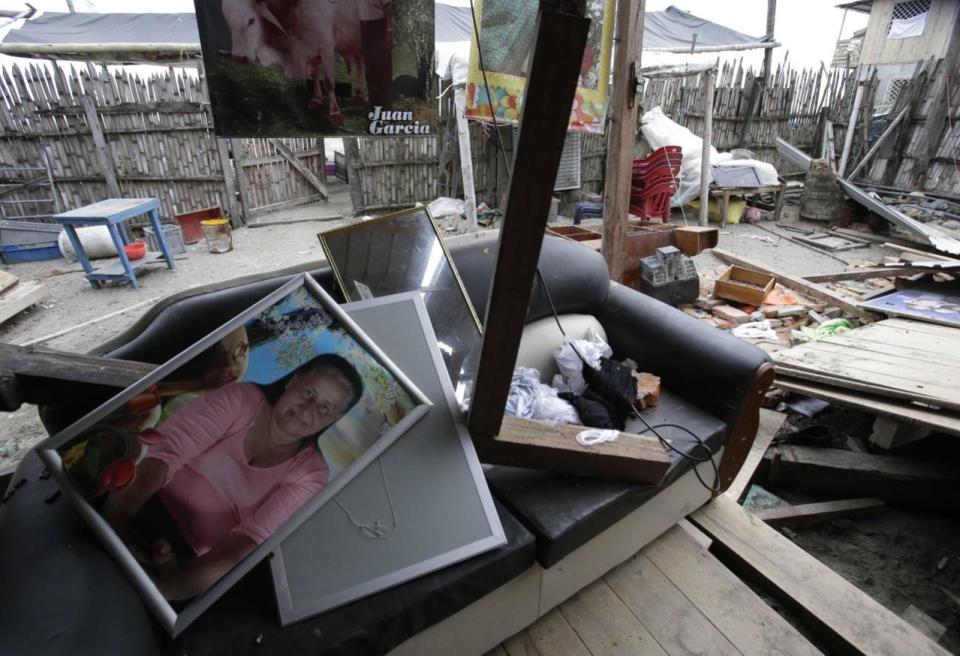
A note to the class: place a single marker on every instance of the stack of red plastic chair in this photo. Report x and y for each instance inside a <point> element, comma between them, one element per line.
<point>654,183</point>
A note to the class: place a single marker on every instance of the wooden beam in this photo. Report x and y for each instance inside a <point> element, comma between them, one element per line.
<point>20,297</point>
<point>850,130</point>
<point>102,148</point>
<point>878,143</point>
<point>795,282</point>
<point>351,148</point>
<point>808,514</point>
<point>927,484</point>
<point>849,620</point>
<point>546,445</point>
<point>868,274</point>
<point>7,280</point>
<point>709,82</point>
<point>551,84</point>
<point>621,133</point>
<point>74,367</point>
<point>770,423</point>
<point>298,166</point>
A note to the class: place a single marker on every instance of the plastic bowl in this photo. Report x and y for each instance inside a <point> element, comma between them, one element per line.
<point>136,250</point>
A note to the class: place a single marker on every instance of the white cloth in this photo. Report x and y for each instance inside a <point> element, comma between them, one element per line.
<point>904,28</point>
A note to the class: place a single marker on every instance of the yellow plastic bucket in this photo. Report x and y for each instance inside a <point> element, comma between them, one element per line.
<point>218,235</point>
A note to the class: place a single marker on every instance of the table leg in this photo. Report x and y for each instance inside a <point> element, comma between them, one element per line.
<point>118,242</point>
<point>158,231</point>
<point>78,249</point>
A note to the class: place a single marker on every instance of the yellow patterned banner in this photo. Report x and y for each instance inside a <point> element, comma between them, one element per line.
<point>507,33</point>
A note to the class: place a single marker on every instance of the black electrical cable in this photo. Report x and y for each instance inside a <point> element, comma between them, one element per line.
<point>715,488</point>
<point>486,86</point>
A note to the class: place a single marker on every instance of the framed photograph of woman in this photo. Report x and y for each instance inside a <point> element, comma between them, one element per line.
<point>194,474</point>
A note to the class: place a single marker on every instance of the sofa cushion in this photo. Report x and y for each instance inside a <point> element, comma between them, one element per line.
<point>62,593</point>
<point>564,512</point>
<point>542,337</point>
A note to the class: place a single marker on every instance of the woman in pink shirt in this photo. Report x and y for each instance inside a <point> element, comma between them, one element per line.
<point>229,468</point>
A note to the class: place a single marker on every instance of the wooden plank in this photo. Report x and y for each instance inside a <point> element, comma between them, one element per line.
<point>103,153</point>
<point>845,616</point>
<point>60,365</point>
<point>19,298</point>
<point>808,514</point>
<point>746,620</point>
<point>551,84</point>
<point>7,280</point>
<point>938,420</point>
<point>552,635</point>
<point>924,623</point>
<point>835,473</point>
<point>674,621</point>
<point>544,445</point>
<point>812,289</point>
<point>770,423</point>
<point>621,133</point>
<point>298,166</point>
<point>916,251</point>
<point>521,644</point>
<point>605,625</point>
<point>867,273</point>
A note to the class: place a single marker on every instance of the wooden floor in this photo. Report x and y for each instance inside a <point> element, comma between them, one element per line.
<point>673,597</point>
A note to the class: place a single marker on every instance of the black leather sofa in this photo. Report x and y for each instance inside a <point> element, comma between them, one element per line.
<point>61,593</point>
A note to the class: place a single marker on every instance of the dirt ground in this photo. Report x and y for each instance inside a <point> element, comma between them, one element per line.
<point>898,557</point>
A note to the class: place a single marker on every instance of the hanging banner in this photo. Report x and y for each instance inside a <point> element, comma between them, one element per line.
<point>281,68</point>
<point>507,33</point>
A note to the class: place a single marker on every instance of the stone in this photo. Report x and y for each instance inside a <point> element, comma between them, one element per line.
<point>707,303</point>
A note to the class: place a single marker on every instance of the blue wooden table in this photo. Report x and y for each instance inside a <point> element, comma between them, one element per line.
<point>112,212</point>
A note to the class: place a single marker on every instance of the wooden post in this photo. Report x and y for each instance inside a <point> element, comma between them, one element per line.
<point>466,156</point>
<point>551,85</point>
<point>104,156</point>
<point>707,137</point>
<point>299,167</point>
<point>233,208</point>
<point>851,127</point>
<point>351,147</point>
<point>621,133</point>
<point>758,86</point>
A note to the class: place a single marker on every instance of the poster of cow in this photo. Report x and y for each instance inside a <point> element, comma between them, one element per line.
<point>279,68</point>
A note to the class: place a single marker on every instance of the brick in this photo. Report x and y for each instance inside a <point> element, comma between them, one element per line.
<point>648,389</point>
<point>731,314</point>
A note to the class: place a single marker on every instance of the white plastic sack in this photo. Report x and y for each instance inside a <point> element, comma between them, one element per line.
<point>660,131</point>
<point>444,206</point>
<point>755,330</point>
<point>531,399</point>
<point>96,242</point>
<point>766,172</point>
<point>591,349</point>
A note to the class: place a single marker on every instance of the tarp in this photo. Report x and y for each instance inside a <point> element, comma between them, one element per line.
<point>675,30</point>
<point>109,37</point>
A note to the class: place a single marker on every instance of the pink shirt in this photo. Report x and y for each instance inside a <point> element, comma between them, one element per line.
<point>211,490</point>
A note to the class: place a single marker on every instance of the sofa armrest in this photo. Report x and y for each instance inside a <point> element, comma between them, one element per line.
<point>720,373</point>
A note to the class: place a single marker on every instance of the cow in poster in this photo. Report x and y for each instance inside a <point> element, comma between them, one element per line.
<point>302,38</point>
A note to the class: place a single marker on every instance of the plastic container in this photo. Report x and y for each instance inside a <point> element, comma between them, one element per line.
<point>26,241</point>
<point>218,235</point>
<point>135,251</point>
<point>172,234</point>
<point>16,253</point>
<point>190,222</point>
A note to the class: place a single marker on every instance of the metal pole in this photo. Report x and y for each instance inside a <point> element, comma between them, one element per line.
<point>707,138</point>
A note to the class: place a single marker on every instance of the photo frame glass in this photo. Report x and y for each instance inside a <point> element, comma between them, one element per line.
<point>405,252</point>
<point>192,475</point>
<point>428,492</point>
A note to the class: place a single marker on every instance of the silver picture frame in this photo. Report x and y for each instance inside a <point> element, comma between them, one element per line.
<point>445,512</point>
<point>173,620</point>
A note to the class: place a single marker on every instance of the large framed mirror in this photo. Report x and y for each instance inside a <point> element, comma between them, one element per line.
<point>404,252</point>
